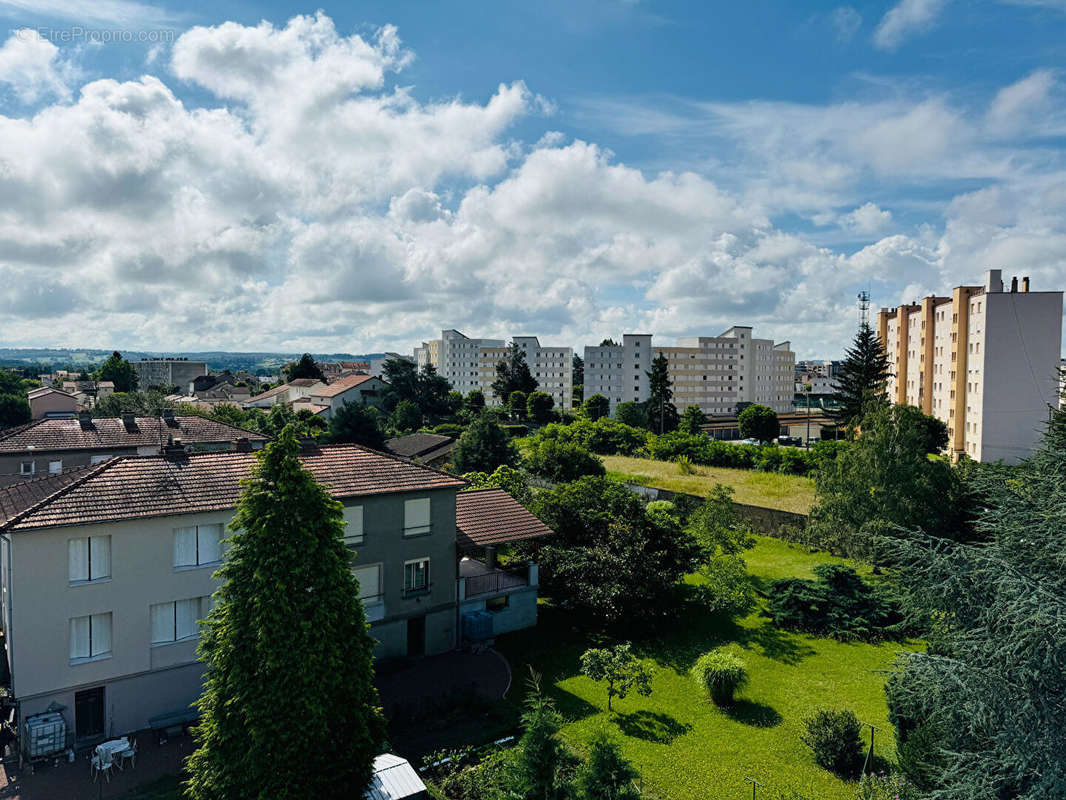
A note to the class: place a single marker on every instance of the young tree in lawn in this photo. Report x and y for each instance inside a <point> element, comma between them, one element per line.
<point>356,423</point>
<point>406,417</point>
<point>539,407</point>
<point>305,367</point>
<point>543,762</point>
<point>287,649</point>
<point>119,371</point>
<point>606,775</point>
<point>513,375</point>
<point>596,407</point>
<point>619,668</point>
<point>862,379</point>
<point>659,407</point>
<point>632,414</point>
<point>759,422</point>
<point>516,404</point>
<point>692,420</point>
<point>484,446</point>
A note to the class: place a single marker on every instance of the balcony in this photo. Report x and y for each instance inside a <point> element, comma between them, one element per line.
<point>477,579</point>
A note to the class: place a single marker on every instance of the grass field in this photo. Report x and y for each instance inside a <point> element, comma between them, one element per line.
<point>769,489</point>
<point>686,748</point>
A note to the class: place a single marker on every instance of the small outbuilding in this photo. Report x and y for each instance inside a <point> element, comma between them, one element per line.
<point>395,779</point>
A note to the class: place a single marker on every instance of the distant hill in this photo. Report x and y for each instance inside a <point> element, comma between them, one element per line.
<point>217,360</point>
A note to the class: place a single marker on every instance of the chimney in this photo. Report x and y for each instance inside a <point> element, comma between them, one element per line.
<point>1025,284</point>
<point>242,445</point>
<point>1014,284</point>
<point>85,419</point>
<point>168,417</point>
<point>174,448</point>
<point>129,421</point>
<point>994,281</point>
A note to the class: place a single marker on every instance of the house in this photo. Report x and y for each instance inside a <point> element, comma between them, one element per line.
<point>48,403</point>
<point>107,569</point>
<point>286,393</point>
<point>431,449</point>
<point>224,392</point>
<point>49,446</point>
<point>88,392</point>
<point>358,389</point>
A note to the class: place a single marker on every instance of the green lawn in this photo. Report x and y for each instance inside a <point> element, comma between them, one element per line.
<point>687,749</point>
<point>769,489</point>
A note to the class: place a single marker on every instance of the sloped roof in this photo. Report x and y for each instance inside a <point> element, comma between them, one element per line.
<point>341,385</point>
<point>134,487</point>
<point>41,391</point>
<point>394,779</point>
<point>486,517</point>
<point>50,435</point>
<point>418,445</point>
<point>284,388</point>
<point>18,497</point>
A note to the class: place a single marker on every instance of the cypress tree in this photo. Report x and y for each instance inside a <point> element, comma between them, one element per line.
<point>659,407</point>
<point>289,707</point>
<point>863,377</point>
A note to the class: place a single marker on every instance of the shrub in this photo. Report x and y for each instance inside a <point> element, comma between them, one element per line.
<point>633,414</point>
<point>759,422</point>
<point>516,431</point>
<point>604,436</point>
<point>684,465</point>
<point>721,674</point>
<point>562,462</point>
<point>448,429</point>
<point>596,407</point>
<point>833,737</point>
<point>887,787</point>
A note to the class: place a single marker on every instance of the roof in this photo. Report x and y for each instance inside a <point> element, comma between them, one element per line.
<point>110,433</point>
<point>341,385</point>
<point>418,445</point>
<point>19,496</point>
<point>394,778</point>
<point>284,388</point>
<point>136,487</point>
<point>33,394</point>
<point>486,517</point>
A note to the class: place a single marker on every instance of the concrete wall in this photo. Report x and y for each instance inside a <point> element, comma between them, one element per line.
<point>521,610</point>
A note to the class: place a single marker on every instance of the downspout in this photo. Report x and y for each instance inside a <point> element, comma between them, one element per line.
<point>9,623</point>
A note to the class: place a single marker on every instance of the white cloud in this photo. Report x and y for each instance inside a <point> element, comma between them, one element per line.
<point>907,18</point>
<point>103,12</point>
<point>32,67</point>
<point>866,219</point>
<point>846,21</point>
<point>1015,107</point>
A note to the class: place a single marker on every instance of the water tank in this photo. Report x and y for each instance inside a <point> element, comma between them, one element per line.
<point>477,626</point>
<point>46,735</point>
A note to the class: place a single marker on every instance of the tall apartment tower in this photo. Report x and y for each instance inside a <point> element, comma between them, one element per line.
<point>712,372</point>
<point>984,360</point>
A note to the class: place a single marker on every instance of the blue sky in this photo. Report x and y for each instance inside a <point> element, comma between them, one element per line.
<point>358,176</point>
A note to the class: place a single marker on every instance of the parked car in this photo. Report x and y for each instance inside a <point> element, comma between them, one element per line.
<point>791,441</point>
<point>749,441</point>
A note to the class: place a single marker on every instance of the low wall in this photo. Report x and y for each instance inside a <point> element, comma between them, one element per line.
<point>768,521</point>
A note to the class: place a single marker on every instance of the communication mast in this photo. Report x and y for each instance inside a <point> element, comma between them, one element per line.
<point>864,307</point>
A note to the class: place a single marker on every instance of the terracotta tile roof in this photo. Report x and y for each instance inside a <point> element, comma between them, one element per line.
<point>418,445</point>
<point>491,516</point>
<point>49,435</point>
<point>133,487</point>
<point>18,497</point>
<point>341,385</point>
<point>284,388</point>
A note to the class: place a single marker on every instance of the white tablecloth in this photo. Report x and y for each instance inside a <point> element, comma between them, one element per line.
<point>114,747</point>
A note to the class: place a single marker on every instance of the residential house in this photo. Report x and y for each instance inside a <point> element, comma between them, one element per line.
<point>50,446</point>
<point>107,570</point>
<point>88,393</point>
<point>285,393</point>
<point>431,449</point>
<point>48,403</point>
<point>358,389</point>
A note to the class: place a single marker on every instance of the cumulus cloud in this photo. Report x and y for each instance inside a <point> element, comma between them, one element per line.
<point>32,68</point>
<point>906,19</point>
<point>1020,105</point>
<point>866,219</point>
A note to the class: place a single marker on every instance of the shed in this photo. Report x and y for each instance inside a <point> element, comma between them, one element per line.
<point>395,779</point>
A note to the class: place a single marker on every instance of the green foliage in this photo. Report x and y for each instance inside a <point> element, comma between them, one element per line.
<point>304,367</point>
<point>838,604</point>
<point>142,404</point>
<point>561,462</point>
<point>862,377</point>
<point>14,410</point>
<point>484,446</point>
<point>402,377</point>
<point>513,481</point>
<point>631,414</point>
<point>475,401</point>
<point>723,538</point>
<point>710,453</point>
<point>577,370</point>
<point>122,373</point>
<point>684,465</point>
<point>721,674</point>
<point>833,736</point>
<point>513,375</point>
<point>603,436</point>
<point>606,775</point>
<point>516,404</point>
<point>539,407</point>
<point>619,668</point>
<point>433,394</point>
<point>887,787</point>
<point>406,417</point>
<point>455,402</point>
<point>448,429</point>
<point>759,422</point>
<point>596,407</point>
<point>515,431</point>
<point>10,382</point>
<point>289,680</point>
<point>659,408</point>
<point>692,420</point>
<point>357,423</point>
<point>543,768</point>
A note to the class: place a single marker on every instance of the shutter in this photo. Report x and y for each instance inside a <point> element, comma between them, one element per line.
<point>79,638</point>
<point>186,615</point>
<point>208,537</point>
<point>369,581</point>
<point>184,547</point>
<point>416,516</point>
<point>78,560</point>
<point>353,533</point>
<point>101,634</point>
<point>162,623</point>
<point>100,550</point>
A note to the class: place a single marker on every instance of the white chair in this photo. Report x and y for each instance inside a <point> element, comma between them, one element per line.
<point>129,754</point>
<point>102,763</point>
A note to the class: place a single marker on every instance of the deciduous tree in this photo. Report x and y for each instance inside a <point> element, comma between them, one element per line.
<point>121,372</point>
<point>539,407</point>
<point>304,367</point>
<point>619,668</point>
<point>596,407</point>
<point>759,422</point>
<point>357,423</point>
<point>484,446</point>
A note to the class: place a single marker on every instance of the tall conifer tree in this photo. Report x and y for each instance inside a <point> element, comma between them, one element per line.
<point>862,379</point>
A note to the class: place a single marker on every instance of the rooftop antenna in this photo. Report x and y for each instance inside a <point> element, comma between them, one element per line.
<point>864,307</point>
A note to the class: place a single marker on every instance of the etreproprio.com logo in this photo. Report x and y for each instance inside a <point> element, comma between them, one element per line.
<point>78,34</point>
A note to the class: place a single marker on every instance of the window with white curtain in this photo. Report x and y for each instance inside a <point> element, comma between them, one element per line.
<point>55,467</point>
<point>90,637</point>
<point>178,621</point>
<point>89,558</point>
<point>197,545</point>
<point>369,578</point>
<point>353,531</point>
<point>416,575</point>
<point>416,516</point>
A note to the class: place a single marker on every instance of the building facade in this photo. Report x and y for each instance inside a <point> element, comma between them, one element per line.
<point>712,372</point>
<point>984,361</point>
<point>178,372</point>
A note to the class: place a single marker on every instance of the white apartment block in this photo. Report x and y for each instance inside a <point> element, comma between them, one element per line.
<point>712,372</point>
<point>471,364</point>
<point>985,361</point>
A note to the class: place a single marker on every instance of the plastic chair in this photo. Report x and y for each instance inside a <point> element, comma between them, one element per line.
<point>102,764</point>
<point>129,754</point>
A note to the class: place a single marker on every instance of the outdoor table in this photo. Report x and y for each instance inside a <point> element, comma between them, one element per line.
<point>112,748</point>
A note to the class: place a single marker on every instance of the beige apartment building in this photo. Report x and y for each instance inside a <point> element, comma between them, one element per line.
<point>712,372</point>
<point>984,360</point>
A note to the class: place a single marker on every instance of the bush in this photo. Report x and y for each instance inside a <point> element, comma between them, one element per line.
<point>721,674</point>
<point>759,422</point>
<point>632,414</point>
<point>448,429</point>
<point>684,465</point>
<point>833,737</point>
<point>596,407</point>
<point>887,787</point>
<point>516,431</point>
<point>604,437</point>
<point>561,462</point>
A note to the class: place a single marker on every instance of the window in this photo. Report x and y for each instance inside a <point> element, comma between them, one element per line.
<point>496,604</point>
<point>55,467</point>
<point>197,545</point>
<point>90,637</point>
<point>178,621</point>
<point>416,516</point>
<point>416,575</point>
<point>89,558</point>
<point>353,532</point>
<point>27,468</point>
<point>98,459</point>
<point>369,578</point>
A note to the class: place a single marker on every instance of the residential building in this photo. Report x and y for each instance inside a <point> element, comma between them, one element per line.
<point>50,446</point>
<point>163,372</point>
<point>289,392</point>
<point>377,364</point>
<point>106,571</point>
<point>712,372</point>
<point>432,449</point>
<point>339,369</point>
<point>49,403</point>
<point>359,389</point>
<point>984,360</point>
<point>88,392</point>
